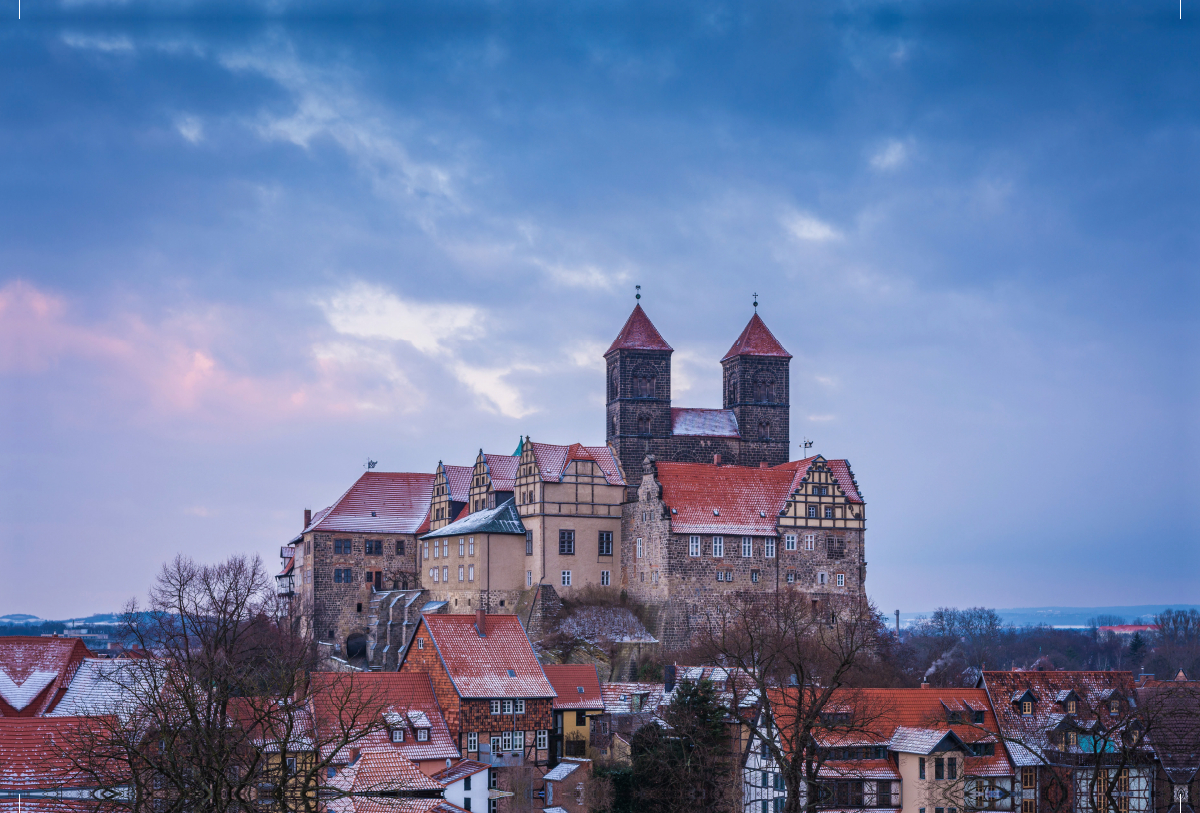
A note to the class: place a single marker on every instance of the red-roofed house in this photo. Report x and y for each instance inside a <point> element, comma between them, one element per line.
<point>699,530</point>
<point>352,554</point>
<point>35,673</point>
<point>569,498</point>
<point>451,494</point>
<point>752,427</point>
<point>48,753</point>
<point>492,480</point>
<point>579,700</point>
<point>489,685</point>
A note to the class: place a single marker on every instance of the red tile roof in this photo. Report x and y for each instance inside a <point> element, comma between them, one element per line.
<point>502,469</point>
<point>380,770</point>
<point>460,770</point>
<point>35,672</point>
<point>713,423</point>
<point>840,469</point>
<point>479,666</point>
<point>638,334</point>
<point>552,460</point>
<point>40,752</point>
<point>568,679</point>
<point>397,693</point>
<point>384,502</point>
<point>458,481</point>
<point>756,340</point>
<point>737,500</point>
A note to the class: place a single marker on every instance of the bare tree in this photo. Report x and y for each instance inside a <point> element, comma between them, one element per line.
<point>795,655</point>
<point>222,712</point>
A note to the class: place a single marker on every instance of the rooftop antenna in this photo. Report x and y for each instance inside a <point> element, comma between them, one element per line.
<point>756,303</point>
<point>805,446</point>
<point>638,295</point>
<point>371,463</point>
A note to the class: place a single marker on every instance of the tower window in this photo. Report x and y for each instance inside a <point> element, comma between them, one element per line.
<point>764,392</point>
<point>643,424</point>
<point>764,431</point>
<point>643,386</point>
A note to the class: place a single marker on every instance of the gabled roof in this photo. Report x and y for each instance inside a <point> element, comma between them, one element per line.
<point>380,770</point>
<point>500,663</point>
<point>458,481</point>
<point>402,695</point>
<point>705,498</point>
<point>910,740</point>
<point>711,423</point>
<point>638,334</point>
<point>756,340</point>
<point>35,671</point>
<point>384,502</point>
<point>840,469</point>
<point>577,684</point>
<point>618,697</point>
<point>41,752</point>
<point>502,470</point>
<point>552,460</point>
<point>460,770</point>
<point>1174,708</point>
<point>501,520</point>
<point>104,686</point>
<point>562,770</point>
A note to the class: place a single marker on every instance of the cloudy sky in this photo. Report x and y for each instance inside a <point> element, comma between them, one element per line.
<point>241,252</point>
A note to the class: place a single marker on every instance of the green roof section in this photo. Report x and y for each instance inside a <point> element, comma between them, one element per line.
<point>501,520</point>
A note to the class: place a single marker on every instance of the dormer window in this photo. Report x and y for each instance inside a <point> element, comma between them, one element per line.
<point>1114,708</point>
<point>1026,707</point>
<point>1071,705</point>
<point>422,735</point>
<point>397,735</point>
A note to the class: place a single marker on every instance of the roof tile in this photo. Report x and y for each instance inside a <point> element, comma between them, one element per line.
<point>756,340</point>
<point>387,502</point>
<point>479,666</point>
<point>638,333</point>
<point>568,679</point>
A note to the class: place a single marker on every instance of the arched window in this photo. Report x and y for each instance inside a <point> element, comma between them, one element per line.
<point>643,385</point>
<point>613,387</point>
<point>764,430</point>
<point>764,391</point>
<point>643,424</point>
<point>615,426</point>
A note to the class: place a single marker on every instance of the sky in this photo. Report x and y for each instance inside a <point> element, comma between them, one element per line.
<point>244,247</point>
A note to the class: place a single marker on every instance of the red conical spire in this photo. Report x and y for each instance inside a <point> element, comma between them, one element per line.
<point>639,334</point>
<point>756,340</point>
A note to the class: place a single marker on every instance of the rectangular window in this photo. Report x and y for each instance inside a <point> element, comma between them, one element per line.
<point>769,547</point>
<point>841,580</point>
<point>1029,778</point>
<point>529,578</point>
<point>445,574</point>
<point>939,768</point>
<point>471,545</point>
<point>470,573</point>
<point>467,799</point>
<point>422,735</point>
<point>720,575</point>
<point>341,547</point>
<point>754,576</point>
<point>472,740</point>
<point>445,548</point>
<point>829,512</point>
<point>543,740</point>
<point>518,740</point>
<point>812,512</point>
<point>495,741</point>
<point>495,706</point>
<point>436,549</point>
<point>519,706</point>
<point>654,577</point>
<point>810,541</point>
<point>467,786</point>
<point>370,577</point>
<point>462,547</point>
<point>920,766</point>
<point>507,706</point>
<point>507,741</point>
<point>566,578</point>
<point>728,575</point>
<point>529,543</point>
<point>426,556</point>
<point>952,768</point>
<point>1027,707</point>
<point>461,572</point>
<point>400,548</point>
<point>605,543</point>
<point>718,546</point>
<point>566,543</point>
<point>605,578</point>
<point>747,547</point>
<point>1028,806</point>
<point>693,546</point>
<point>791,577</point>
<point>639,547</point>
<point>337,575</point>
<point>433,573</point>
<point>789,542</point>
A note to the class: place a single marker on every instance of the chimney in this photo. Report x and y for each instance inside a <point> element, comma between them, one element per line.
<point>481,622</point>
<point>669,677</point>
<point>307,517</point>
<point>762,464</point>
<point>925,684</point>
<point>716,460</point>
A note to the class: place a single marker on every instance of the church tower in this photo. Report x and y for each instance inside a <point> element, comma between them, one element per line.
<point>638,394</point>
<point>756,389</point>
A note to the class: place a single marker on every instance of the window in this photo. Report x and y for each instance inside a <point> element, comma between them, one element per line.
<point>1072,738</point>
<point>495,740</point>
<point>605,578</point>
<point>467,786</point>
<point>420,643</point>
<point>472,740</point>
<point>791,577</point>
<point>445,574</point>
<point>654,577</point>
<point>1027,707</point>
<point>1070,707</point>
<point>426,556</point>
<point>822,578</point>
<point>693,546</point>
<point>829,512</point>
<point>529,578</point>
<point>467,799</point>
<point>821,491</point>
<point>519,706</point>
<point>920,767</point>
<point>728,575</point>
<point>543,740</point>
<point>507,705</point>
<point>754,576</point>
<point>461,572</point>
<point>337,575</point>
<point>841,580</point>
<point>373,547</point>
<point>812,512</point>
<point>341,547</point>
<point>433,573</point>
<point>370,577</point>
<point>1029,778</point>
<point>835,548</point>
<point>643,386</point>
<point>789,542</point>
<point>639,547</point>
<point>718,546</point>
<point>643,424</point>
<point>1114,708</point>
<point>566,543</point>
<point>747,547</point>
<point>1028,806</point>
<point>518,740</point>
<point>939,768</point>
<point>763,390</point>
<point>462,547</point>
<point>470,573</point>
<point>810,541</point>
<point>977,718</point>
<point>397,735</point>
<point>445,548</point>
<point>566,578</point>
<point>769,547</point>
<point>400,548</point>
<point>720,575</point>
<point>471,543</point>
<point>422,735</point>
<point>605,543</point>
<point>495,707</point>
<point>952,768</point>
<point>290,768</point>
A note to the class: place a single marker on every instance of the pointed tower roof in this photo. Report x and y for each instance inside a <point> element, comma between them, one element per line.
<point>756,340</point>
<point>639,334</point>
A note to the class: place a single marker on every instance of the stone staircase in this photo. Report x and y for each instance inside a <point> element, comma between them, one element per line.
<point>392,617</point>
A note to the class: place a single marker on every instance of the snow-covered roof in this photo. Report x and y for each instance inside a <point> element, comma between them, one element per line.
<point>500,663</point>
<point>561,771</point>
<point>33,669</point>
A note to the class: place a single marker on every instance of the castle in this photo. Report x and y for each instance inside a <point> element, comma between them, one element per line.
<point>680,508</point>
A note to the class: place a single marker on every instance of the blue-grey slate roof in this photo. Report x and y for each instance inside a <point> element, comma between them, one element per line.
<point>501,520</point>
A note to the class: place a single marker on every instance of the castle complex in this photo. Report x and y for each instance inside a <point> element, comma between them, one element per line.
<point>680,508</point>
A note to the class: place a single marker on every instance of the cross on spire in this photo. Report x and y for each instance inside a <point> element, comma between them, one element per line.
<point>756,303</point>
<point>638,295</point>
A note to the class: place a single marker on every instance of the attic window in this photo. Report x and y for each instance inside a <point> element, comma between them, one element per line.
<point>512,672</point>
<point>1027,707</point>
<point>762,513</point>
<point>580,688</point>
<point>1070,707</point>
<point>716,512</point>
<point>673,511</point>
<point>372,513</point>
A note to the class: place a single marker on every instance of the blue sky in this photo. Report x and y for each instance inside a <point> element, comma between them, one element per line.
<point>242,250</point>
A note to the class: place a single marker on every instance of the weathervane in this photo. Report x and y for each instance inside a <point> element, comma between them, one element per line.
<point>371,463</point>
<point>806,445</point>
<point>756,303</point>
<point>638,295</point>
